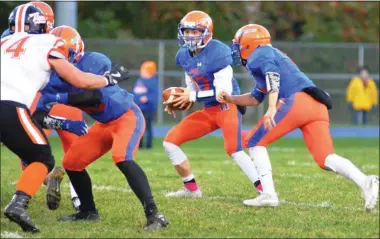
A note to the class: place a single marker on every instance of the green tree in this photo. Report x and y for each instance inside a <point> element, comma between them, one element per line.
<point>102,24</point>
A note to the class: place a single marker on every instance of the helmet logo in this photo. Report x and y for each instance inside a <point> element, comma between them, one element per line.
<point>250,30</point>
<point>189,24</point>
<point>37,18</point>
<point>205,21</point>
<point>75,40</point>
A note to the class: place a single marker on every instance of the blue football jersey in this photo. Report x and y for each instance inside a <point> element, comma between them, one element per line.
<point>115,101</point>
<point>201,67</point>
<point>269,59</point>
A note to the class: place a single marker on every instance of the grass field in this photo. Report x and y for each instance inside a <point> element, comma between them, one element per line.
<point>315,203</point>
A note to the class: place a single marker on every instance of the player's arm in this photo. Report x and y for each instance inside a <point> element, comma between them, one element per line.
<point>58,123</point>
<point>272,79</point>
<point>57,60</point>
<point>189,83</point>
<point>249,99</point>
<point>41,115</point>
<point>78,78</point>
<point>191,87</point>
<point>85,98</point>
<point>222,82</point>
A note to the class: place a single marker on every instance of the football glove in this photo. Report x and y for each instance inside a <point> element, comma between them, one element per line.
<point>76,127</point>
<point>119,72</point>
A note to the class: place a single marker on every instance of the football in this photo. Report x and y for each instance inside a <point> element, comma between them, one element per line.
<point>168,96</point>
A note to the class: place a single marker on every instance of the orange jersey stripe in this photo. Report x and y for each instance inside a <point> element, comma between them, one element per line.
<point>33,132</point>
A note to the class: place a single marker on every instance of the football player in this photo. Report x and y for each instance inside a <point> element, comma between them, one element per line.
<point>118,128</point>
<point>67,134</point>
<point>207,65</point>
<point>27,58</point>
<point>300,104</point>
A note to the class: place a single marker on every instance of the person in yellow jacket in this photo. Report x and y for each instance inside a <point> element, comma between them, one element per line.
<point>362,96</point>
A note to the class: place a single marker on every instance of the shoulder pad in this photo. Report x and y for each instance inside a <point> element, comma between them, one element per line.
<point>219,55</point>
<point>180,55</point>
<point>95,62</point>
<point>262,53</point>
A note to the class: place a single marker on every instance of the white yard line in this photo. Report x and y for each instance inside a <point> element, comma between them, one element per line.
<point>6,234</point>
<point>102,188</point>
<point>293,163</point>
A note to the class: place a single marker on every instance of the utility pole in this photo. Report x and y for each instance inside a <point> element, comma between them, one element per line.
<point>66,13</point>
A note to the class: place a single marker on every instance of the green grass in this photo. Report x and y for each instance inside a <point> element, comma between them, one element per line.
<point>317,203</point>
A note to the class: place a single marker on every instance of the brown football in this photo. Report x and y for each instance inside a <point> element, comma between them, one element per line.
<point>168,96</point>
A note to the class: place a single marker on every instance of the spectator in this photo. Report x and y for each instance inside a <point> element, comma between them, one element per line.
<point>362,96</point>
<point>146,95</point>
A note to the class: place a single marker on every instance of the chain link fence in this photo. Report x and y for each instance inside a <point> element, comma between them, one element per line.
<point>330,65</point>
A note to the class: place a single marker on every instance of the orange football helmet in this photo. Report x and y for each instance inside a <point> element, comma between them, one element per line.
<point>195,20</point>
<point>48,13</point>
<point>73,42</point>
<point>246,40</point>
<point>148,69</point>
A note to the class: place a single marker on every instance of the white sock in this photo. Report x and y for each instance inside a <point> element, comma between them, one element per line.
<point>188,178</point>
<point>345,168</point>
<point>260,157</point>
<point>72,191</point>
<point>246,164</point>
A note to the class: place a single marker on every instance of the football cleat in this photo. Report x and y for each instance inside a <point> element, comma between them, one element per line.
<point>80,216</point>
<point>155,221</point>
<point>53,193</point>
<point>371,192</point>
<point>184,192</point>
<point>16,212</point>
<point>263,200</point>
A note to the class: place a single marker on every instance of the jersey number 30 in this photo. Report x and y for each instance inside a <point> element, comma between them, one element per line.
<point>16,49</point>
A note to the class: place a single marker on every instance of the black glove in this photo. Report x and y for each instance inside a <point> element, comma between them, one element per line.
<point>120,72</point>
<point>112,80</point>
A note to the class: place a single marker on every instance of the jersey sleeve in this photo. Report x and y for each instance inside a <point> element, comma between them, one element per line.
<point>264,60</point>
<point>59,50</point>
<point>178,58</point>
<point>189,83</point>
<point>258,94</point>
<point>269,66</point>
<point>223,80</point>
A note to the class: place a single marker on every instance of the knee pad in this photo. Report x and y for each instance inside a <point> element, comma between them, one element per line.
<point>175,153</point>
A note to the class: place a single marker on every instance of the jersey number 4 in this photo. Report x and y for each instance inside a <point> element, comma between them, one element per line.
<point>16,49</point>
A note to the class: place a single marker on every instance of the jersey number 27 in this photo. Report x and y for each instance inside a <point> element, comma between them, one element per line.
<point>16,49</point>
